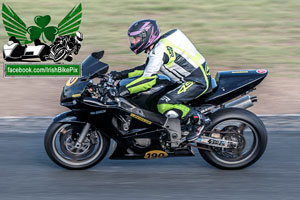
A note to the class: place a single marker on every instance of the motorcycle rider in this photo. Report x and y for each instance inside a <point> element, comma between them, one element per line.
<point>175,56</point>
<point>72,42</point>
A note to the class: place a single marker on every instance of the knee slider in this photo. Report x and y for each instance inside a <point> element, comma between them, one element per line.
<point>171,114</point>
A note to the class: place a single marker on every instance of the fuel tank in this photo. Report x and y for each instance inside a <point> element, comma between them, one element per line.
<point>149,98</point>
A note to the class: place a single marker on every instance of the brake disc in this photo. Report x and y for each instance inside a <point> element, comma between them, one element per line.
<point>68,142</point>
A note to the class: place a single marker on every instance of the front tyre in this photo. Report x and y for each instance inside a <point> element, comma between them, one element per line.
<point>240,126</point>
<point>60,140</point>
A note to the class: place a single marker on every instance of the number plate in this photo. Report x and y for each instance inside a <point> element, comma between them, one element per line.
<point>155,154</point>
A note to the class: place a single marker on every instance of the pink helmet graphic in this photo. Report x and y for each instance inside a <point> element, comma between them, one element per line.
<point>148,31</point>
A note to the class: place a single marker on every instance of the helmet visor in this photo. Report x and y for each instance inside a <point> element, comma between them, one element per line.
<point>133,40</point>
<point>78,40</point>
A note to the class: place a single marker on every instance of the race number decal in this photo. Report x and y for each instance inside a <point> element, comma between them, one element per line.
<point>186,86</point>
<point>71,81</point>
<point>155,154</point>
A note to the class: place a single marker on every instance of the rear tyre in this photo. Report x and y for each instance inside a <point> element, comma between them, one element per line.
<point>60,140</point>
<point>242,126</point>
<point>60,54</point>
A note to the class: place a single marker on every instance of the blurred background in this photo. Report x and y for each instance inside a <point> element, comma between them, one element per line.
<point>229,34</point>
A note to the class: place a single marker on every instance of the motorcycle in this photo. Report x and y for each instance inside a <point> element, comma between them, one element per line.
<point>80,138</point>
<point>63,50</point>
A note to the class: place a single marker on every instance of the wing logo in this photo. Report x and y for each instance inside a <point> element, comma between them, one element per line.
<point>65,38</point>
<point>16,27</point>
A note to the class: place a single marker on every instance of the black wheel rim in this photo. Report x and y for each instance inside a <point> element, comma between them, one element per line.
<point>64,147</point>
<point>238,131</point>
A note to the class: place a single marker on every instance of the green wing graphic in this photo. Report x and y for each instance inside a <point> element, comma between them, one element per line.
<point>70,24</point>
<point>14,25</point>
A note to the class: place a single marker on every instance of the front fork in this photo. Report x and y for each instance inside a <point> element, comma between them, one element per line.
<point>83,135</point>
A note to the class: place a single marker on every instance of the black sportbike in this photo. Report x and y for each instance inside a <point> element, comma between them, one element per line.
<point>81,137</point>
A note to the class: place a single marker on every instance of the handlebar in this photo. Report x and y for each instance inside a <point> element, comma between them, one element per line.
<point>108,77</point>
<point>107,89</point>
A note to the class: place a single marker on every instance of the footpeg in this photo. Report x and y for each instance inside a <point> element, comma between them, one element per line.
<point>191,137</point>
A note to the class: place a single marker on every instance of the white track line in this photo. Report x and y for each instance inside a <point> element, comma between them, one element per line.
<point>26,117</point>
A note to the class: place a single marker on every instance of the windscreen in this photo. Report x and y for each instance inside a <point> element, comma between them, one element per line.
<point>91,66</point>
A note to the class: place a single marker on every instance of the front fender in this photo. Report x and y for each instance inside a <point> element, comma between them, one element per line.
<point>67,117</point>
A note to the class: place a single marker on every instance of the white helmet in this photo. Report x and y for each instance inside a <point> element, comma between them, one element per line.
<point>78,37</point>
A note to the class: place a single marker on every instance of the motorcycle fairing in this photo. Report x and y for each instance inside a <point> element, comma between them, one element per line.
<point>231,84</point>
<point>77,88</point>
<point>67,117</point>
<point>91,67</point>
<point>122,152</point>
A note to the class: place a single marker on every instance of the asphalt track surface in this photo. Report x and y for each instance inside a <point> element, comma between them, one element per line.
<point>27,173</point>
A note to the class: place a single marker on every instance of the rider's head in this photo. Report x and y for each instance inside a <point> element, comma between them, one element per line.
<point>78,37</point>
<point>142,34</point>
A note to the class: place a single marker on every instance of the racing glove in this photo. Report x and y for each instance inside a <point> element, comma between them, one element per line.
<point>123,91</point>
<point>116,75</point>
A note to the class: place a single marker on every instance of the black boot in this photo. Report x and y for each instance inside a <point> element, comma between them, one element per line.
<point>198,122</point>
<point>195,133</point>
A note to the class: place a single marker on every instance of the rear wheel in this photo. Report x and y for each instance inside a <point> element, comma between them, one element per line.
<point>60,144</point>
<point>59,55</point>
<point>241,127</point>
<point>57,52</point>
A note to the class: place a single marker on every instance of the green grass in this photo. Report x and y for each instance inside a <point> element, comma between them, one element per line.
<point>262,33</point>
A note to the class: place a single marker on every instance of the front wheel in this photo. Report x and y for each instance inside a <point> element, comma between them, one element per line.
<point>60,144</point>
<point>242,127</point>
